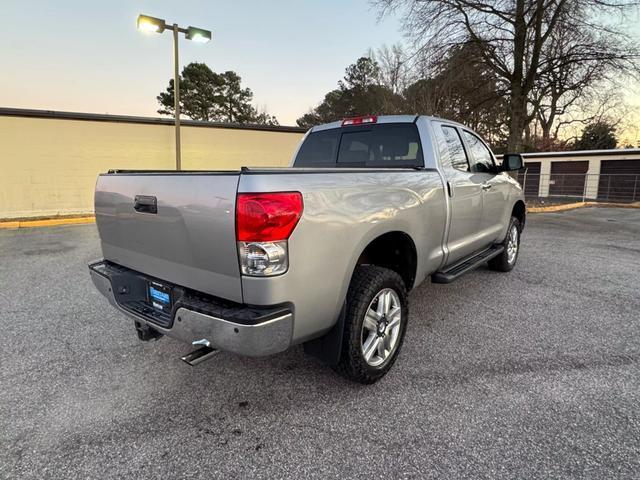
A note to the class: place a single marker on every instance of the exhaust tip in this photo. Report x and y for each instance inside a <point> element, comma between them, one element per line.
<point>199,355</point>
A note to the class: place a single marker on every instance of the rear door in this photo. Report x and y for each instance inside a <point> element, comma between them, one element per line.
<point>465,194</point>
<point>178,227</point>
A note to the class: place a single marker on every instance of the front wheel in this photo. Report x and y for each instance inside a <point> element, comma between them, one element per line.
<point>375,324</point>
<point>507,259</point>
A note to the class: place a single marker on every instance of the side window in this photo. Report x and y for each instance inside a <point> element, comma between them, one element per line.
<point>481,158</point>
<point>450,148</point>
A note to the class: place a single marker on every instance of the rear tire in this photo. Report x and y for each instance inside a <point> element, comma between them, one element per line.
<point>375,324</point>
<point>508,258</point>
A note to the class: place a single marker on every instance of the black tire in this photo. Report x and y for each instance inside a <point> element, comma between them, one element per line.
<point>501,263</point>
<point>367,282</point>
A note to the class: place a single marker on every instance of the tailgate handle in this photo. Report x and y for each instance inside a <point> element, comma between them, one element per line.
<point>146,204</point>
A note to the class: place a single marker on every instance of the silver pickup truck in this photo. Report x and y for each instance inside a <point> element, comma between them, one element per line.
<point>322,253</point>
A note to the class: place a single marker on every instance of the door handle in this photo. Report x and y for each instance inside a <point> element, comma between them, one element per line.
<point>145,204</point>
<point>486,187</point>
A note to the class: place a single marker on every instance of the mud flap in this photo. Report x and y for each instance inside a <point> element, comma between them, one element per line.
<point>328,347</point>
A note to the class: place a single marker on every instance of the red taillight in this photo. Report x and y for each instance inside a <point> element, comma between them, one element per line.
<point>267,217</point>
<point>359,120</point>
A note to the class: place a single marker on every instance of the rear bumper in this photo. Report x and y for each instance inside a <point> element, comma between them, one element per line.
<point>251,331</point>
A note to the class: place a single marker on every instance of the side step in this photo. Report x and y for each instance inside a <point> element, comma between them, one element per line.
<point>452,273</point>
<point>200,355</point>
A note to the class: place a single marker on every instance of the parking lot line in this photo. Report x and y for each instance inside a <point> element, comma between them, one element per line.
<point>47,222</point>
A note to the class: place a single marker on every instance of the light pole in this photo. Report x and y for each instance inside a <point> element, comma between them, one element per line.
<point>158,25</point>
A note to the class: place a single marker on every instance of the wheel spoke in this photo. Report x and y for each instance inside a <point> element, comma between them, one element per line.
<point>381,310</point>
<point>370,346</point>
<point>381,347</point>
<point>388,342</point>
<point>387,302</point>
<point>371,320</point>
<point>395,322</point>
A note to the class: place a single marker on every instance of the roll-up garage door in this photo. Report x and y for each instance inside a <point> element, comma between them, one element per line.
<point>619,180</point>
<point>567,178</point>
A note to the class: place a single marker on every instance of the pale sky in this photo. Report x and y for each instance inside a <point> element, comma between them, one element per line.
<point>87,56</point>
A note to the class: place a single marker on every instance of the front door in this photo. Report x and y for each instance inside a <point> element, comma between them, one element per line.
<point>495,189</point>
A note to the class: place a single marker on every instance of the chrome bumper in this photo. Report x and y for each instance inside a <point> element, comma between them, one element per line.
<point>266,338</point>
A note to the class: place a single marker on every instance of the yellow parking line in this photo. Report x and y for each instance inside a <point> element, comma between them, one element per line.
<point>571,206</point>
<point>556,208</point>
<point>50,222</point>
<point>615,205</point>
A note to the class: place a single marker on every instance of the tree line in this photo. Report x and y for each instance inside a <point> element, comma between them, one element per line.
<point>529,75</point>
<point>462,91</point>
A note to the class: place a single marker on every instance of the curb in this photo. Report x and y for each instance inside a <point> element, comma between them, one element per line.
<point>52,222</point>
<point>571,206</point>
<point>557,208</point>
<point>615,205</point>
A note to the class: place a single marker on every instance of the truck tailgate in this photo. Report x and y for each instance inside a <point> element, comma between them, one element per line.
<point>190,240</point>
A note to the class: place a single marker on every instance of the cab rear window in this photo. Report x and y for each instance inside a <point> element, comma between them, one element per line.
<point>381,145</point>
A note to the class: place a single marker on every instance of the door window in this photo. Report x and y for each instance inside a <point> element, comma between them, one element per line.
<point>481,158</point>
<point>450,148</point>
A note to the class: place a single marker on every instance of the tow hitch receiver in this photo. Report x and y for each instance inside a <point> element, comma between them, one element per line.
<point>199,355</point>
<point>146,333</point>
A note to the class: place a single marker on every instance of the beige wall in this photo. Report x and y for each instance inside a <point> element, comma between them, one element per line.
<point>595,161</point>
<point>49,166</point>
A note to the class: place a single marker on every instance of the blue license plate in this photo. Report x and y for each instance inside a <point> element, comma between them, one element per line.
<point>160,296</point>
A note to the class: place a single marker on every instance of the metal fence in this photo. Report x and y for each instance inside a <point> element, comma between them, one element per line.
<point>582,186</point>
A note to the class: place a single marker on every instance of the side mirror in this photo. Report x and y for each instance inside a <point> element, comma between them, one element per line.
<point>511,162</point>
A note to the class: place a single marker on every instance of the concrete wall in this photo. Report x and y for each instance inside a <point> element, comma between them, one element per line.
<point>48,166</point>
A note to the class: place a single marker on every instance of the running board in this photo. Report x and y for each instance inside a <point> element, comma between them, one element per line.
<point>199,355</point>
<point>467,265</point>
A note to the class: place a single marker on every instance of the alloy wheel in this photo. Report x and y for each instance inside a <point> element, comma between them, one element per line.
<point>381,327</point>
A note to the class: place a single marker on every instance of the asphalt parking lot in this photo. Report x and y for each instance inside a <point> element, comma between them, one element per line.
<point>531,374</point>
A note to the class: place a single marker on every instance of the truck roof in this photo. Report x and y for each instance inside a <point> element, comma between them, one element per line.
<point>384,119</point>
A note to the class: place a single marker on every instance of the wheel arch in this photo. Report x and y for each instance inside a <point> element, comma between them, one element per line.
<point>394,250</point>
<point>519,211</point>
